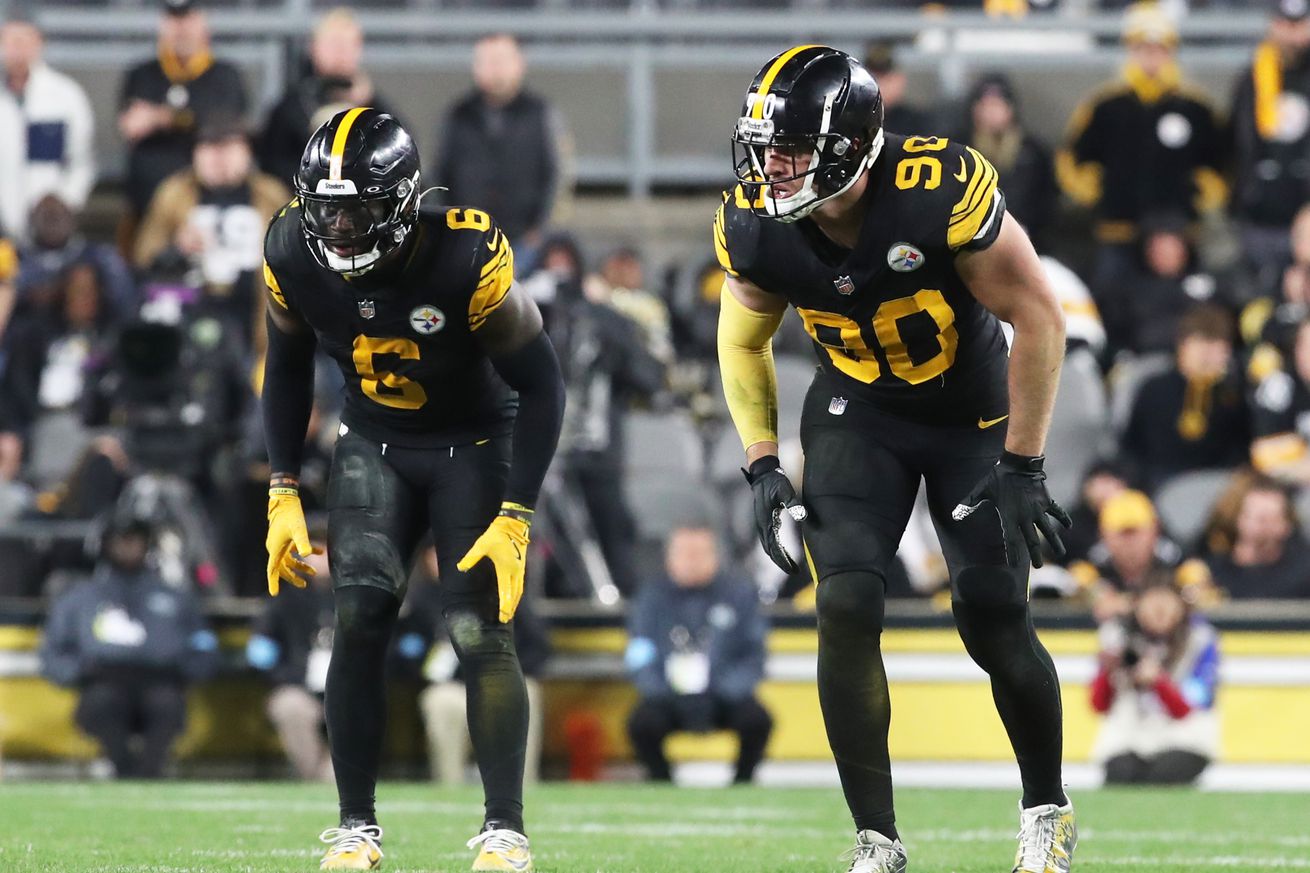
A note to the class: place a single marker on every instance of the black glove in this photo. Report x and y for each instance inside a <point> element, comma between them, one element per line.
<point>773,493</point>
<point>1016,486</point>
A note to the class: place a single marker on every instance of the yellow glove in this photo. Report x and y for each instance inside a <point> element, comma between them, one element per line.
<point>505,542</point>
<point>288,539</point>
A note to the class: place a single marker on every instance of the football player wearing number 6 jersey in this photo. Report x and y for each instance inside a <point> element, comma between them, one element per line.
<point>899,258</point>
<point>452,413</point>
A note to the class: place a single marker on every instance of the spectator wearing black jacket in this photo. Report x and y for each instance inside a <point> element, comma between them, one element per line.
<point>56,246</point>
<point>130,645</point>
<point>49,350</point>
<point>1193,416</point>
<point>1147,143</point>
<point>1143,310</point>
<point>1270,128</point>
<point>1269,558</point>
<point>291,644</point>
<point>166,99</point>
<point>334,81</point>
<point>500,146</point>
<point>696,651</point>
<point>606,368</point>
<point>898,116</point>
<point>423,647</point>
<point>1024,163</point>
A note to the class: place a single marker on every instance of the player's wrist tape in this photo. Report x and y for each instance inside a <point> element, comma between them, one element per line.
<point>760,466</point>
<point>510,509</point>
<point>1022,463</point>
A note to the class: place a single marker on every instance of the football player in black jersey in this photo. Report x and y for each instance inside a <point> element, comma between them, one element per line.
<point>899,257</point>
<point>453,408</point>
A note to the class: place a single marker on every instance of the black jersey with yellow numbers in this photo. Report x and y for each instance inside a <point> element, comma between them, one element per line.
<point>892,321</point>
<point>405,339</point>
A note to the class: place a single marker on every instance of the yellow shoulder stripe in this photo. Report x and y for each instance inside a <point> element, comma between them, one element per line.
<point>969,214</point>
<point>494,283</point>
<point>721,243</point>
<point>274,289</point>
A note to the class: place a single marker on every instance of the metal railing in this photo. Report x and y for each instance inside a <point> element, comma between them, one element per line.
<point>637,55</point>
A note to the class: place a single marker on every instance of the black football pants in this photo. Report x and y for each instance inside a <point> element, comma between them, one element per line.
<point>116,710</point>
<point>654,718</point>
<point>381,500</point>
<point>862,474</point>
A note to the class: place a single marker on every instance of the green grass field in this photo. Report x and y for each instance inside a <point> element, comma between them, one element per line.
<point>259,827</point>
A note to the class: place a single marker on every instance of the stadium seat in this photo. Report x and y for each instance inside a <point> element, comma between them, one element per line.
<point>661,502</point>
<point>1184,502</point>
<point>663,443</point>
<point>1079,426</point>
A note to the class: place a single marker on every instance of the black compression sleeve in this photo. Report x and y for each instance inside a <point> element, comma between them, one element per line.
<point>533,371</point>
<point>288,396</point>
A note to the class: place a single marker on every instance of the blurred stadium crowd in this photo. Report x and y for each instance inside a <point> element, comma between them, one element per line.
<point>130,364</point>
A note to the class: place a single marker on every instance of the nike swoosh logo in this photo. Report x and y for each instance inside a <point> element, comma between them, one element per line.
<point>492,243</point>
<point>963,174</point>
<point>983,425</point>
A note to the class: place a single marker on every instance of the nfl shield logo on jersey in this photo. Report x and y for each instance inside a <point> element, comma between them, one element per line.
<point>837,405</point>
<point>844,285</point>
<point>366,309</point>
<point>904,258</point>
<point>427,319</point>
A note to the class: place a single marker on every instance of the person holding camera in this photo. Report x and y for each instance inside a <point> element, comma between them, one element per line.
<point>1159,668</point>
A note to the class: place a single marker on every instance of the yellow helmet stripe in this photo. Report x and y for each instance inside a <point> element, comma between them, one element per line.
<point>339,142</point>
<point>757,111</point>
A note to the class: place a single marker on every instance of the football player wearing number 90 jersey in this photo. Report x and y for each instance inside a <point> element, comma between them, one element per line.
<point>452,413</point>
<point>899,257</point>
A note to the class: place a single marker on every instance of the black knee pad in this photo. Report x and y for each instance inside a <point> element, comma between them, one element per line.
<point>365,557</point>
<point>989,586</point>
<point>852,600</point>
<point>473,636</point>
<point>364,611</point>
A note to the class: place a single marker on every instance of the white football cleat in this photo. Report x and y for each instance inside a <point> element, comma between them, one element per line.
<point>501,849</point>
<point>1047,837</point>
<point>352,848</point>
<point>874,853</point>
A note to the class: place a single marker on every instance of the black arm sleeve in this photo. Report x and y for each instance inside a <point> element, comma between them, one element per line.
<point>288,396</point>
<point>533,371</point>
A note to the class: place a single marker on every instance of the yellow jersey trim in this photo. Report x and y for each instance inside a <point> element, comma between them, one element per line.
<point>274,289</point>
<point>494,284</point>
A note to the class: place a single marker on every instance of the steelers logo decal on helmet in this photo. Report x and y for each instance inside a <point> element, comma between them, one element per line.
<point>427,319</point>
<point>904,258</point>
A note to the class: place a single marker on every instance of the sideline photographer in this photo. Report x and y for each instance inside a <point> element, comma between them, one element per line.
<point>1156,687</point>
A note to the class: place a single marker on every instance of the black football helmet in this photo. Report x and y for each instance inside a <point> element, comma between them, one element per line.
<point>810,126</point>
<point>358,187</point>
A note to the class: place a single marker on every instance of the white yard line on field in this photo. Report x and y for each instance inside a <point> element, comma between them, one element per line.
<point>1220,862</point>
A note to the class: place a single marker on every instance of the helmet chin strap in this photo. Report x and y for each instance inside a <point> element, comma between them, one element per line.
<point>805,201</point>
